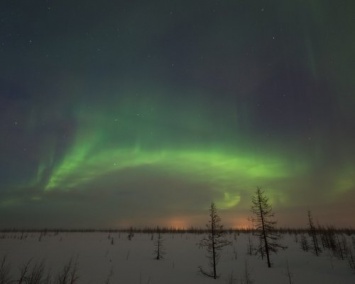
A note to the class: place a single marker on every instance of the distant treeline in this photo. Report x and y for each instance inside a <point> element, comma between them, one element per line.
<point>191,230</point>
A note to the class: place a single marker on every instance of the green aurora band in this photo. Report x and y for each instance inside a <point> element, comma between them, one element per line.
<point>188,141</point>
<point>107,142</point>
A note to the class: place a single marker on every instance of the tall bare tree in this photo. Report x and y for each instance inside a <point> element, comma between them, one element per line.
<point>265,225</point>
<point>213,242</point>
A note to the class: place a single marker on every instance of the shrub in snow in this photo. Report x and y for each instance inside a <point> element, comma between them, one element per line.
<point>312,231</point>
<point>159,251</point>
<point>4,271</point>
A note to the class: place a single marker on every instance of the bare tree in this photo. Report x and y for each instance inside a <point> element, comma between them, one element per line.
<point>351,260</point>
<point>213,242</point>
<point>5,271</point>
<point>23,272</point>
<point>37,273</point>
<point>69,273</point>
<point>312,231</point>
<point>250,246</point>
<point>289,274</point>
<point>304,243</point>
<point>159,251</point>
<point>265,225</point>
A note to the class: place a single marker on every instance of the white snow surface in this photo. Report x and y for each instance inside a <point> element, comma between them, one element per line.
<point>101,260</point>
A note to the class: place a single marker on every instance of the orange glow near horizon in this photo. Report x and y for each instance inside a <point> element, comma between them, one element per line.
<point>240,223</point>
<point>186,222</point>
<point>200,222</point>
<point>177,223</point>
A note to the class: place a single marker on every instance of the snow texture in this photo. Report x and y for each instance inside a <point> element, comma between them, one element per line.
<point>110,257</point>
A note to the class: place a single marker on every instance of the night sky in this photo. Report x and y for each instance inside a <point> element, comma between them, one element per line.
<point>141,113</point>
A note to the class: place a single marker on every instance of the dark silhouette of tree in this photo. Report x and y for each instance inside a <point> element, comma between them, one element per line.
<point>213,242</point>
<point>130,234</point>
<point>312,231</point>
<point>159,251</point>
<point>265,226</point>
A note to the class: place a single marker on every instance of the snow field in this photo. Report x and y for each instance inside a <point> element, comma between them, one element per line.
<point>104,257</point>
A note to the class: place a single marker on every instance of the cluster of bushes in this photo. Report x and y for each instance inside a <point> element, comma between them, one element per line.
<point>36,272</point>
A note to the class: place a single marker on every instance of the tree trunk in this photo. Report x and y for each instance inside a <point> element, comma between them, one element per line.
<point>264,233</point>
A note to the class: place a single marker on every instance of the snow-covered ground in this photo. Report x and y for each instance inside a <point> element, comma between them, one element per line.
<point>104,257</point>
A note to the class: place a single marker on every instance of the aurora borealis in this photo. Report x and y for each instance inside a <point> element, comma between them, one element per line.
<point>138,113</point>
